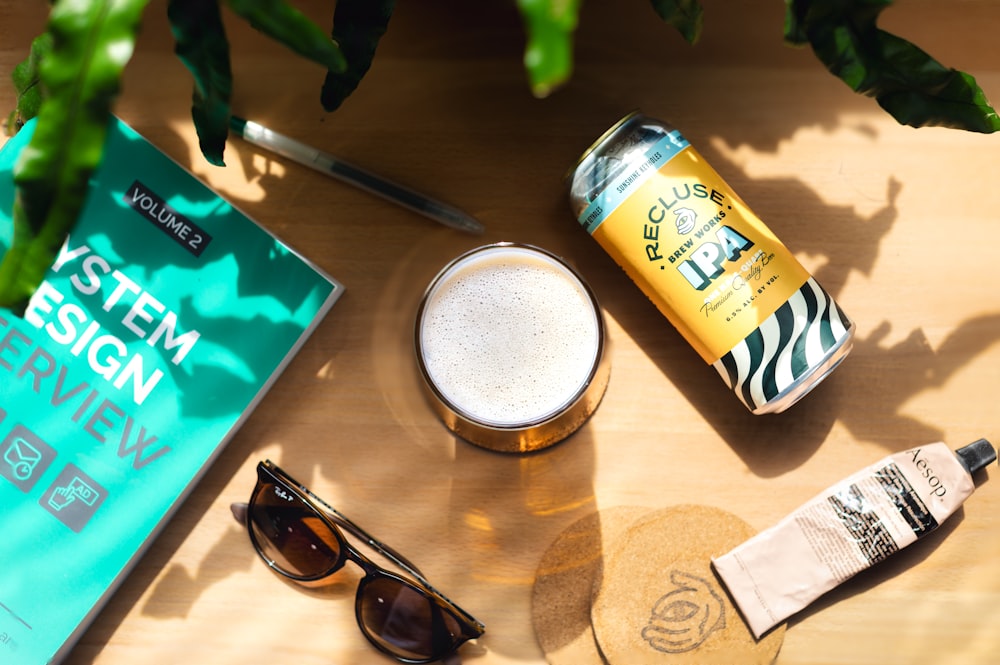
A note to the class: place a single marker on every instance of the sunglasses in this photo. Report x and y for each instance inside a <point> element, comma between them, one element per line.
<point>299,535</point>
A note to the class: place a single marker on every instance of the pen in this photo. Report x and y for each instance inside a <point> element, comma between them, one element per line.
<point>285,146</point>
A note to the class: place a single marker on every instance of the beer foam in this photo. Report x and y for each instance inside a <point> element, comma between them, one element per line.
<point>509,336</point>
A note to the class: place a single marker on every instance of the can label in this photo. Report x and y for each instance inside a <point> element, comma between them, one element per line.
<point>694,247</point>
<point>708,263</point>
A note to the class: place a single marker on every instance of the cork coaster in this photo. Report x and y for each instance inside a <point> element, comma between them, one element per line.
<point>564,583</point>
<point>659,601</point>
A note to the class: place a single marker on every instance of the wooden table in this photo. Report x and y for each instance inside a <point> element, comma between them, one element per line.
<point>900,225</point>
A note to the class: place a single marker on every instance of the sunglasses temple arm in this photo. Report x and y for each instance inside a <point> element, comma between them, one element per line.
<point>370,540</point>
<point>239,511</point>
<point>380,547</point>
<point>474,627</point>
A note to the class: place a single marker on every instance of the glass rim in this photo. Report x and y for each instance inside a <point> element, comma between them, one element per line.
<point>540,431</point>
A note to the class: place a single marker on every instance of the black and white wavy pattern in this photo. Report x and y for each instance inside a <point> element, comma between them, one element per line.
<point>787,346</point>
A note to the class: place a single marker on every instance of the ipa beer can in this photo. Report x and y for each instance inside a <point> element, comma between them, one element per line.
<point>708,263</point>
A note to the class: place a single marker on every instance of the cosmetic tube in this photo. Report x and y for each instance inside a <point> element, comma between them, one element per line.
<point>848,528</point>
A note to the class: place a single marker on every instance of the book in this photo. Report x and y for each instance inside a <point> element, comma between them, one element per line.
<point>163,321</point>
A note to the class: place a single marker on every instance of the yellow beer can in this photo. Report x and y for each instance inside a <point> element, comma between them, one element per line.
<point>708,263</point>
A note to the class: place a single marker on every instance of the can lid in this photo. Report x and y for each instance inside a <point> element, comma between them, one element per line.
<point>624,120</point>
<point>977,455</point>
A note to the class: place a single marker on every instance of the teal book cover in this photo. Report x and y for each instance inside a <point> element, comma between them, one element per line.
<point>165,318</point>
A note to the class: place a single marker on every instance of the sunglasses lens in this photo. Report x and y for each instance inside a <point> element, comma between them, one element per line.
<point>404,622</point>
<point>291,535</point>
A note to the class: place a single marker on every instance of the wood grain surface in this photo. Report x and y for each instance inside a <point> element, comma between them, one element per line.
<point>900,225</point>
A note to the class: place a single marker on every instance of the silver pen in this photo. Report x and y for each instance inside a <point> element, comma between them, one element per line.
<point>285,146</point>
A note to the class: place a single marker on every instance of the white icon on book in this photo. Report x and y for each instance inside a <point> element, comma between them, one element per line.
<point>22,458</point>
<point>76,490</point>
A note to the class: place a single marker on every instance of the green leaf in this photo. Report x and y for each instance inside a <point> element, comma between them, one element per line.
<point>287,25</point>
<point>92,42</point>
<point>27,85</point>
<point>203,48</point>
<point>908,83</point>
<point>358,25</point>
<point>548,55</point>
<point>685,15</point>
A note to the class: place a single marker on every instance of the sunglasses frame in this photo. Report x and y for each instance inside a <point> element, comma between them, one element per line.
<point>270,473</point>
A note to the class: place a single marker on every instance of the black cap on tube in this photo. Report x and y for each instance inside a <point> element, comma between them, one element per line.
<point>977,455</point>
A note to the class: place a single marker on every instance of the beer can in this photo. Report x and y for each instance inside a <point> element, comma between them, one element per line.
<point>708,263</point>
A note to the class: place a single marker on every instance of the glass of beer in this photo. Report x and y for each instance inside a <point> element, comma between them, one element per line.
<point>510,342</point>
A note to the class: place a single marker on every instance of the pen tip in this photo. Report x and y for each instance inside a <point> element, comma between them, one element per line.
<point>467,223</point>
<point>474,226</point>
<point>453,217</point>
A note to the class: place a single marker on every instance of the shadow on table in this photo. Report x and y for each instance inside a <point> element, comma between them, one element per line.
<point>551,489</point>
<point>868,392</point>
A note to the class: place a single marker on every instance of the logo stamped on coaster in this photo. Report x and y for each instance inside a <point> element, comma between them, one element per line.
<point>684,617</point>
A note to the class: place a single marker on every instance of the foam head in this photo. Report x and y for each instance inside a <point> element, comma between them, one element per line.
<point>509,337</point>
